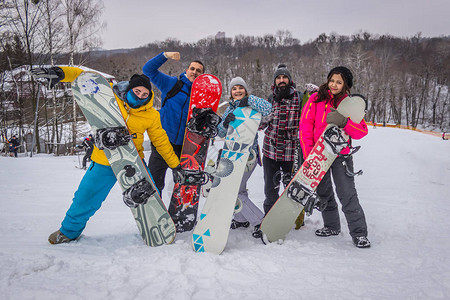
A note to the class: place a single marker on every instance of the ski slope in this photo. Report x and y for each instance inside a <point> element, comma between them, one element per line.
<point>405,192</point>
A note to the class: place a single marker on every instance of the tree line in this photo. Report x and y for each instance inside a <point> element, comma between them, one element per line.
<point>38,32</point>
<point>405,79</point>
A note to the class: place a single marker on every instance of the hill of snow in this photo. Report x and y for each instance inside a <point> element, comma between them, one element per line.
<point>404,191</point>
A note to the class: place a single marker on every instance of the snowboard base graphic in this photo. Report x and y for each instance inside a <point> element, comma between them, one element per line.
<point>300,192</point>
<point>212,229</point>
<point>205,93</point>
<point>97,101</point>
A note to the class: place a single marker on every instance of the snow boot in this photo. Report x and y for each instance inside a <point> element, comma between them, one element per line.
<point>58,237</point>
<point>235,224</point>
<point>325,231</point>
<point>361,242</point>
<point>257,233</point>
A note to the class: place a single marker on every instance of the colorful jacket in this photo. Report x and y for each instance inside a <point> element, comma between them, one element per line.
<point>256,103</point>
<point>281,135</point>
<point>139,120</point>
<point>314,121</point>
<point>175,111</point>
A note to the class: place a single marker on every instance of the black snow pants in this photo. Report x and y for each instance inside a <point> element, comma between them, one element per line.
<point>158,166</point>
<point>273,171</point>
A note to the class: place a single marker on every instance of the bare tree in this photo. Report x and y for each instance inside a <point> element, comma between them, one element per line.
<point>23,20</point>
<point>52,32</point>
<point>82,20</point>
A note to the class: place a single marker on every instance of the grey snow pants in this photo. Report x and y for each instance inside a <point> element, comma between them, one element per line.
<point>250,212</point>
<point>346,192</point>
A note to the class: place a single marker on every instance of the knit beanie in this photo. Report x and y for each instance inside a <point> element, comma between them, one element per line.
<point>345,72</point>
<point>282,70</point>
<point>238,81</point>
<point>139,80</point>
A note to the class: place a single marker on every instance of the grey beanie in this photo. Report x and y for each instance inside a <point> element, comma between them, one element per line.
<point>282,70</point>
<point>238,81</point>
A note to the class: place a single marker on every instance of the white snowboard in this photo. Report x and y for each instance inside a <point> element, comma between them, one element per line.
<point>211,232</point>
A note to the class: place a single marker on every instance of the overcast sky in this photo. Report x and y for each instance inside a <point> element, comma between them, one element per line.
<point>134,23</point>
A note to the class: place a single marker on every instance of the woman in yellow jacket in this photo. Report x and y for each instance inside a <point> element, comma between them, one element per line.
<point>135,99</point>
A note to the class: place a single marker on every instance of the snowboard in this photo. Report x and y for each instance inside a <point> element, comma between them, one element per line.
<point>96,99</point>
<point>300,193</point>
<point>205,93</point>
<point>212,229</point>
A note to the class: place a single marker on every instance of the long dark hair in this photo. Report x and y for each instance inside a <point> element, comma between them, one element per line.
<point>323,94</point>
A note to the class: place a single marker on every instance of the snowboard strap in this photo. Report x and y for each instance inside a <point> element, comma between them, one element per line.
<point>350,173</point>
<point>173,91</point>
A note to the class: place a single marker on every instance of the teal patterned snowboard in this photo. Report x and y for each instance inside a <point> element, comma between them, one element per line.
<point>96,99</point>
<point>212,229</point>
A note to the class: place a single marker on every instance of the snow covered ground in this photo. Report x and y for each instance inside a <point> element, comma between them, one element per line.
<point>405,192</point>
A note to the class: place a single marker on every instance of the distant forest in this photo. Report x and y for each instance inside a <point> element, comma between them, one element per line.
<point>405,79</point>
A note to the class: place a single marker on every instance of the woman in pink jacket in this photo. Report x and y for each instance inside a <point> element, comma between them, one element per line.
<point>318,112</point>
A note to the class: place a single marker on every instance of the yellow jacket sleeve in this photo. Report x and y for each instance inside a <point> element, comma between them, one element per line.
<point>70,73</point>
<point>160,140</point>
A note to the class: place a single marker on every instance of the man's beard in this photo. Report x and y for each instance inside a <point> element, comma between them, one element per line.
<point>282,92</point>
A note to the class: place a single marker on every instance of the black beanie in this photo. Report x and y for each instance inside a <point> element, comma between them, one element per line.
<point>345,72</point>
<point>282,70</point>
<point>139,80</point>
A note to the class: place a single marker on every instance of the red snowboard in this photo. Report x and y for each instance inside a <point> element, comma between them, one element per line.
<point>205,93</point>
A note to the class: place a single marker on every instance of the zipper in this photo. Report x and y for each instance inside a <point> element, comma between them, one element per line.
<point>181,119</point>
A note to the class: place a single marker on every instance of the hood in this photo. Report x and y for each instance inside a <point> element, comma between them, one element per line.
<point>120,90</point>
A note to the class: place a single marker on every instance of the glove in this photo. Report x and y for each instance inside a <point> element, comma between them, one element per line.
<point>178,175</point>
<point>243,102</point>
<point>228,119</point>
<point>53,75</point>
<point>334,117</point>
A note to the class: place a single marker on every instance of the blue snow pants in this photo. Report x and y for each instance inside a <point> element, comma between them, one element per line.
<point>95,186</point>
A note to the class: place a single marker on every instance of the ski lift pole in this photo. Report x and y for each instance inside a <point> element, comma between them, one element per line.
<point>35,121</point>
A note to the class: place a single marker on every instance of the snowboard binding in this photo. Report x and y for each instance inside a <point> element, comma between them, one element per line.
<point>349,172</point>
<point>281,177</point>
<point>192,177</point>
<point>334,139</point>
<point>138,193</point>
<point>204,122</point>
<point>310,200</point>
<point>113,137</point>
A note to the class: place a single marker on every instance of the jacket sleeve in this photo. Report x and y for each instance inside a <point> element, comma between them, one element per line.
<point>356,130</point>
<point>261,105</point>
<point>70,73</point>
<point>162,81</point>
<point>160,140</point>
<point>306,127</point>
<point>265,121</point>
